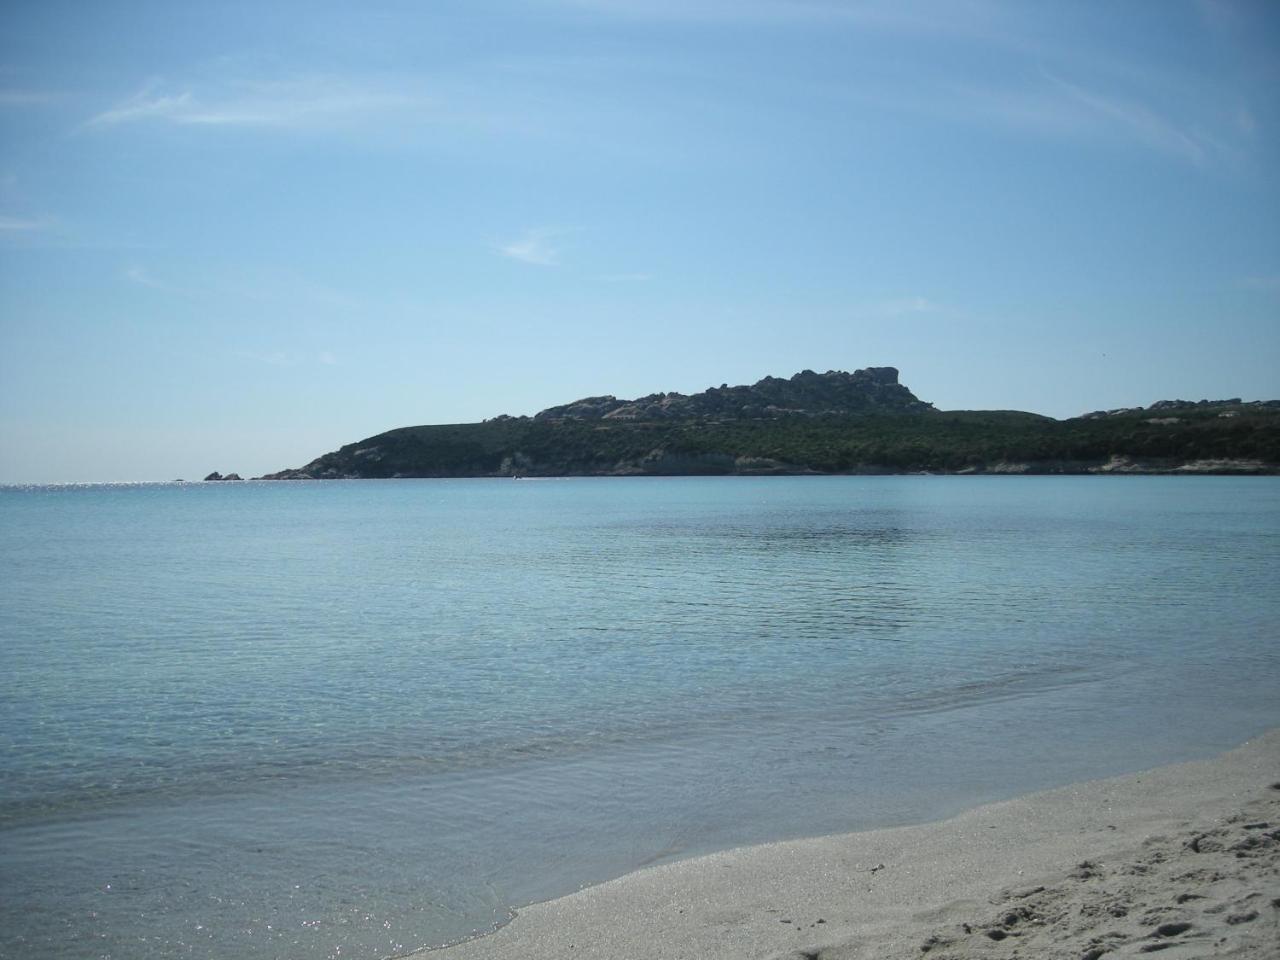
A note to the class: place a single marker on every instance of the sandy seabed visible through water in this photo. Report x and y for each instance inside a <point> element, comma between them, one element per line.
<point>1181,861</point>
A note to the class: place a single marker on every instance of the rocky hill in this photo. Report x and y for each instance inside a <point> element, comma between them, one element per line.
<point>834,393</point>
<point>1167,407</point>
<point>834,422</point>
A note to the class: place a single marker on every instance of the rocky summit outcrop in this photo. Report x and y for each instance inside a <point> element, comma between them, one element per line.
<point>1227,408</point>
<point>834,393</point>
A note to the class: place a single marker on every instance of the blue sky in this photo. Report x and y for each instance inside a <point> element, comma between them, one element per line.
<point>235,236</point>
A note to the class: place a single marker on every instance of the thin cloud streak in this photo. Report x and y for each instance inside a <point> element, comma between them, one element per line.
<point>143,107</point>
<point>25,98</point>
<point>534,248</point>
<point>905,306</point>
<point>296,103</point>
<point>285,358</point>
<point>894,14</point>
<point>1056,106</point>
<point>1050,107</point>
<point>1269,283</point>
<point>22,225</point>
<point>979,21</point>
<point>1137,121</point>
<point>142,278</point>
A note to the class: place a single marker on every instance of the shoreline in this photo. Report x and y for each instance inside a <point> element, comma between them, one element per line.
<point>1115,467</point>
<point>1265,470</point>
<point>1182,859</point>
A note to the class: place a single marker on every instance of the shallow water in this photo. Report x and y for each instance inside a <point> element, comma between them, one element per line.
<point>353,718</point>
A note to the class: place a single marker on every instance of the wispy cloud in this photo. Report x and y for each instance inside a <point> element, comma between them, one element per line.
<point>143,105</point>
<point>535,246</point>
<point>22,224</point>
<point>904,306</point>
<point>1246,123</point>
<point>626,277</point>
<point>50,233</point>
<point>717,10</point>
<point>1261,282</point>
<point>1042,104</point>
<point>984,21</point>
<point>24,98</point>
<point>1219,15</point>
<point>1124,100</point>
<point>142,277</point>
<point>287,358</point>
<point>1136,121</point>
<point>891,13</point>
<point>312,101</point>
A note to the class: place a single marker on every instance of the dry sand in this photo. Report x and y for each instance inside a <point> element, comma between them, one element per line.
<point>1182,861</point>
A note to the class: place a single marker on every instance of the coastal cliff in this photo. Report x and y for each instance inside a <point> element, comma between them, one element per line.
<point>834,422</point>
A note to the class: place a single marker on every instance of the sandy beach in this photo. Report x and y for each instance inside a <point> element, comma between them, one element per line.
<point>1183,861</point>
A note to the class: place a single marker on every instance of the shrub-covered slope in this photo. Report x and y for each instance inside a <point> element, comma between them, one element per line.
<point>863,422</point>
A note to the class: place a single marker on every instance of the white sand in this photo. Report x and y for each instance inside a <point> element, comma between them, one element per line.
<point>1183,861</point>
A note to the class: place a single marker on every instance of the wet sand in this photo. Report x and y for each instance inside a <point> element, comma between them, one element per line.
<point>1181,861</point>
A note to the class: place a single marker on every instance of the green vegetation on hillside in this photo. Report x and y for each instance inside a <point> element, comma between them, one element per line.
<point>929,440</point>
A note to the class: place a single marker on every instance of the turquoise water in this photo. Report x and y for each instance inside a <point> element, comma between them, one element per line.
<point>349,719</point>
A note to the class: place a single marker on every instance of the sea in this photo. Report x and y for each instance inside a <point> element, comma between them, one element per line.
<point>350,719</point>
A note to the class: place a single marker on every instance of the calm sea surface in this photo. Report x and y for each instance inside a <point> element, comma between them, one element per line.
<point>348,719</point>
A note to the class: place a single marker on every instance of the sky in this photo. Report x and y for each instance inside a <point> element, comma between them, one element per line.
<point>235,236</point>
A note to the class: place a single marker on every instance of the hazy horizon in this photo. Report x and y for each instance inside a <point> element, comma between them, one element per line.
<point>234,237</point>
<point>198,475</point>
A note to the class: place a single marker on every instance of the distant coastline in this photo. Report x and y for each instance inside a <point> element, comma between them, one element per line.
<point>1116,467</point>
<point>837,423</point>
